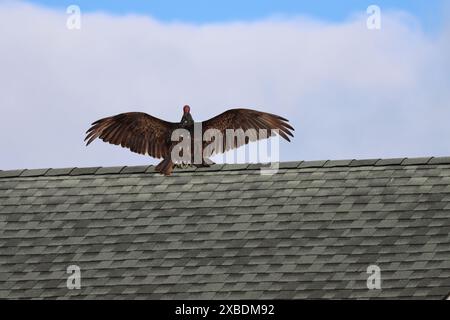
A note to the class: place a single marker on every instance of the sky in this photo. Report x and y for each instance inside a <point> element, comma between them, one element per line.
<point>350,92</point>
<point>206,11</point>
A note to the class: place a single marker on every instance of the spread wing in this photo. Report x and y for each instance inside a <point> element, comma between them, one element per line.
<point>248,119</point>
<point>137,131</point>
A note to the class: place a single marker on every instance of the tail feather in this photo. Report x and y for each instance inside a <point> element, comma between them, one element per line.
<point>165,167</point>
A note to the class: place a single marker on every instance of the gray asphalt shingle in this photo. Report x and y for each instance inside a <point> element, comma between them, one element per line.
<point>309,231</point>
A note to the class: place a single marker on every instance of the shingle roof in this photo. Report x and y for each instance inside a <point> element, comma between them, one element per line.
<point>309,231</point>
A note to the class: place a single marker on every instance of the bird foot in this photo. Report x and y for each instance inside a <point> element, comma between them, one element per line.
<point>182,165</point>
<point>185,165</point>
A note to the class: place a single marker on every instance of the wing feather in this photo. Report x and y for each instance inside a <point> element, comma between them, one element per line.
<point>248,119</point>
<point>137,131</point>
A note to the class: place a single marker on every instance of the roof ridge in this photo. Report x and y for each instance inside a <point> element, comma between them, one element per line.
<point>75,171</point>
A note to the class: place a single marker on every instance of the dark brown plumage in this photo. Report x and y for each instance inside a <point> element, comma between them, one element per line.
<point>145,134</point>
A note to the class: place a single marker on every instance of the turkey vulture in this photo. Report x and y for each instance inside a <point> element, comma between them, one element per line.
<point>145,134</point>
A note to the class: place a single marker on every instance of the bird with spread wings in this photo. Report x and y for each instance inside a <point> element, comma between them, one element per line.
<point>148,135</point>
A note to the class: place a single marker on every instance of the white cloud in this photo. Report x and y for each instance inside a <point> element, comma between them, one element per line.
<point>350,92</point>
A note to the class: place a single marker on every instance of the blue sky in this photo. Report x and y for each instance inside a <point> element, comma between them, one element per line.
<point>429,13</point>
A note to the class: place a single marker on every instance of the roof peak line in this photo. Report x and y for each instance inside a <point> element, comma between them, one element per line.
<point>75,171</point>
